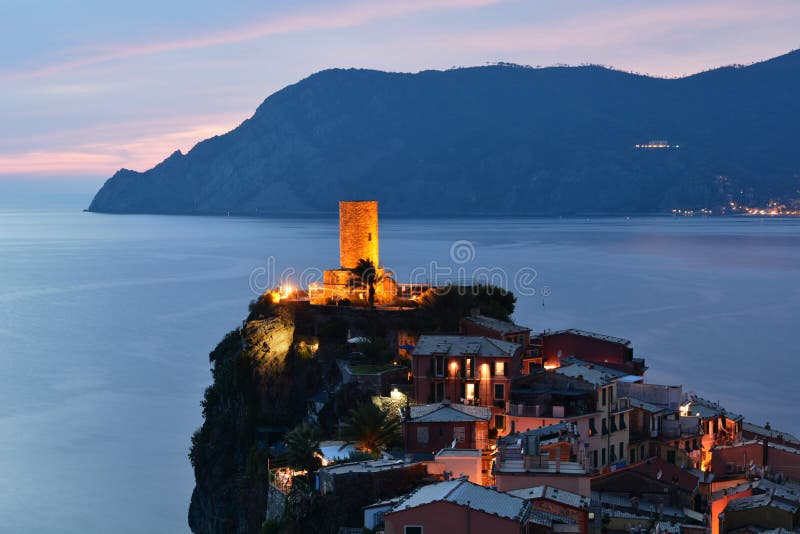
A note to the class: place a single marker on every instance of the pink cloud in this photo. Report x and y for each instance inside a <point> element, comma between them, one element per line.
<point>618,30</point>
<point>114,146</point>
<point>340,18</point>
<point>51,163</point>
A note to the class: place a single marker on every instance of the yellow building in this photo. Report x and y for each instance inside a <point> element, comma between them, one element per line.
<point>358,239</point>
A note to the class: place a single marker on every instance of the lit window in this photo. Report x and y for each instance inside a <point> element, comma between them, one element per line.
<point>470,392</point>
<point>500,368</point>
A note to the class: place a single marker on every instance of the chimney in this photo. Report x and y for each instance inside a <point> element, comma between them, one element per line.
<point>765,455</point>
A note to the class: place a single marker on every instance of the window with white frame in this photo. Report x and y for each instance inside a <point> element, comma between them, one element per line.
<point>422,434</point>
<point>499,392</point>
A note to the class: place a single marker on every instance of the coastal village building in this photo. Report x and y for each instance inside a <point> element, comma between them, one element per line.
<point>609,351</point>
<point>541,457</point>
<point>752,431</point>
<point>657,428</point>
<point>765,511</point>
<point>585,395</point>
<point>465,369</point>
<point>756,513</point>
<point>560,502</point>
<point>389,473</point>
<point>720,427</point>
<point>461,506</point>
<point>654,480</point>
<point>459,463</point>
<point>481,325</point>
<point>431,427</point>
<point>759,458</point>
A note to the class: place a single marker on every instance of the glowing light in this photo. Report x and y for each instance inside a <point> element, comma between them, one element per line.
<point>453,368</point>
<point>551,366</point>
<point>397,395</point>
<point>485,371</point>
<point>286,290</point>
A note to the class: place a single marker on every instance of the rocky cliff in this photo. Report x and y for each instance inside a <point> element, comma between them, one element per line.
<point>257,381</point>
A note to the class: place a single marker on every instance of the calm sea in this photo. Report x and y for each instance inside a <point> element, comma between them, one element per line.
<point>106,323</point>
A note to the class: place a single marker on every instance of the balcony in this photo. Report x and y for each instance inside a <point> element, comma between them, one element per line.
<point>522,410</point>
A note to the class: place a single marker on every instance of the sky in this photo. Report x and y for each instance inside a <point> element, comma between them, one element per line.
<point>92,86</point>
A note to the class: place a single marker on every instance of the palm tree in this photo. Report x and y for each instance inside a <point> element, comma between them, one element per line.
<point>374,427</point>
<point>367,275</point>
<point>302,447</point>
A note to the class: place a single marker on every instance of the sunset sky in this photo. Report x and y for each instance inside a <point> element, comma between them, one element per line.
<point>88,87</point>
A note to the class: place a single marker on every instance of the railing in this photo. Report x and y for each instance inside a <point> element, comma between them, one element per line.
<point>521,410</point>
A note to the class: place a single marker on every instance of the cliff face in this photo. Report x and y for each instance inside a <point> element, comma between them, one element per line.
<point>497,140</point>
<point>263,375</point>
<point>256,376</point>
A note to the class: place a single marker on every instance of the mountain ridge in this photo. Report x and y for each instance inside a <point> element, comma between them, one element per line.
<point>496,139</point>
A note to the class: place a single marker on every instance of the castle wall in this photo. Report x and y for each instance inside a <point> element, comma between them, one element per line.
<point>358,232</point>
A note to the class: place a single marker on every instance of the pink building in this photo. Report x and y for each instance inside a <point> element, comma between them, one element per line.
<point>463,507</point>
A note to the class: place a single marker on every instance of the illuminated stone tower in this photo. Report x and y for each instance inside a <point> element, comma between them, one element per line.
<point>358,232</point>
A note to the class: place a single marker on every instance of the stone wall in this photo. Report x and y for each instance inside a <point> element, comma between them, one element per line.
<point>358,232</point>
<point>276,504</point>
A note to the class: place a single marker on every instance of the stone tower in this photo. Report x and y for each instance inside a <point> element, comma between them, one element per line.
<point>358,232</point>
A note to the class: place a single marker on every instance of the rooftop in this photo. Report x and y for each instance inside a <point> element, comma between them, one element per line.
<point>465,493</point>
<point>370,466</point>
<point>761,501</point>
<point>589,372</point>
<point>548,518</point>
<point>769,432</point>
<point>501,327</point>
<point>646,406</point>
<point>706,409</point>
<point>624,502</point>
<point>448,413</point>
<point>554,494</point>
<point>454,345</point>
<point>459,452</point>
<point>550,467</point>
<point>584,333</point>
<point>544,432</point>
<point>656,468</point>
